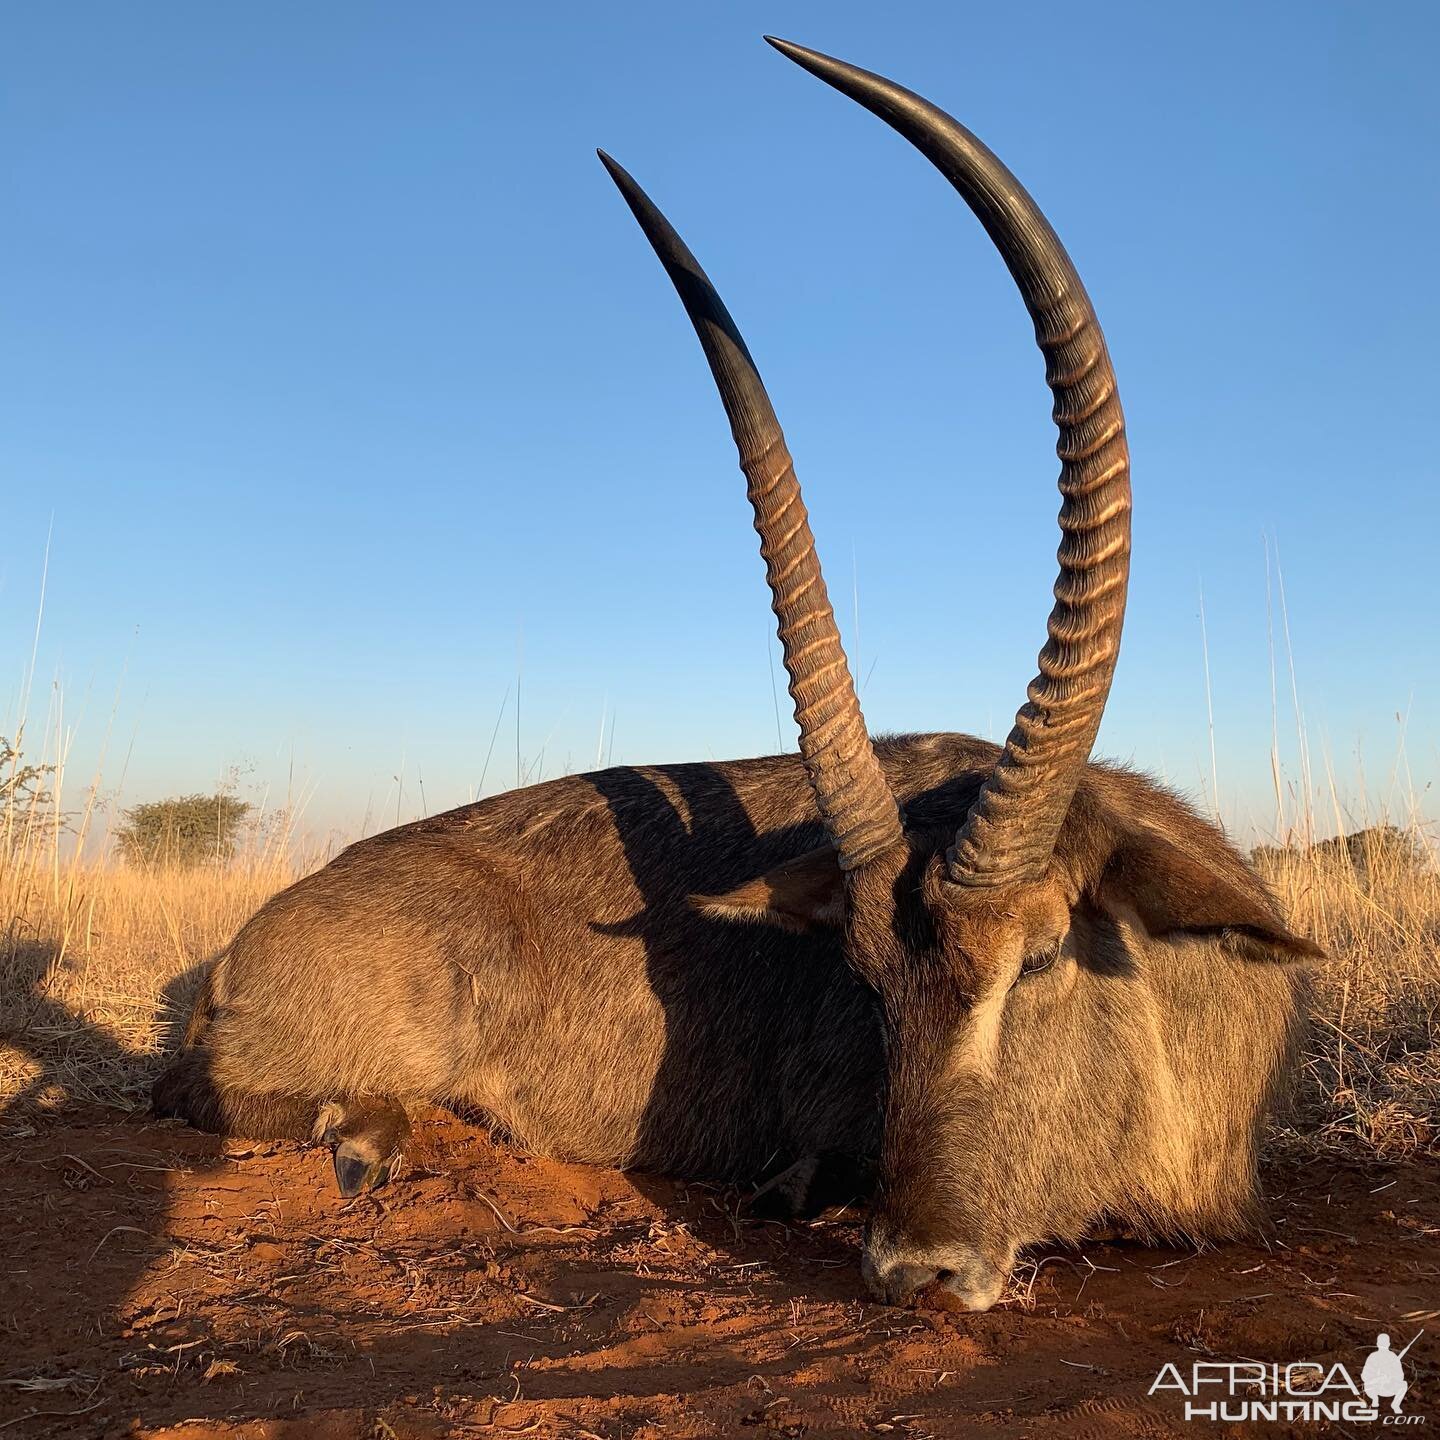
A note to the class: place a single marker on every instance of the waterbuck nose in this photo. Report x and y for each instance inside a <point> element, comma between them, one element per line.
<point>894,1272</point>
<point>896,1282</point>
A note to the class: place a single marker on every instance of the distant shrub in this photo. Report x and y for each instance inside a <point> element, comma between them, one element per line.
<point>1384,847</point>
<point>183,830</point>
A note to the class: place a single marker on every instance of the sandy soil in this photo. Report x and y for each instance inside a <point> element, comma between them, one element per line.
<point>156,1282</point>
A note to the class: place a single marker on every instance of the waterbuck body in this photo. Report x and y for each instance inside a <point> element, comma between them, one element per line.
<point>1024,989</point>
<point>540,957</point>
<point>535,957</point>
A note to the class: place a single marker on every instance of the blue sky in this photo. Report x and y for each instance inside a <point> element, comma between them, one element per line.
<point>350,387</point>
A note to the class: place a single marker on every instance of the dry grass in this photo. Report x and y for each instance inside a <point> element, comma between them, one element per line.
<point>1372,1072</point>
<point>98,963</point>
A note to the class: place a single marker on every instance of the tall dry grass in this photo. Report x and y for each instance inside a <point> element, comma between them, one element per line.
<point>99,960</point>
<point>98,963</point>
<point>1372,1067</point>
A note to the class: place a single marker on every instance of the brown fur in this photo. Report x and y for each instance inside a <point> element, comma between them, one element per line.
<point>539,957</point>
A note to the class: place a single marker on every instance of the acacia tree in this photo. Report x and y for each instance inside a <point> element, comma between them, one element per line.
<point>182,830</point>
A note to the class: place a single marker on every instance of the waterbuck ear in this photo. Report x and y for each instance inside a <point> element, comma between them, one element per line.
<point>1174,894</point>
<point>803,894</point>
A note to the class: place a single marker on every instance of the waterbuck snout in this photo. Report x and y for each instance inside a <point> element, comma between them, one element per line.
<point>1044,973</point>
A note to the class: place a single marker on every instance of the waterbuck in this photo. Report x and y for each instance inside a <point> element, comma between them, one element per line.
<point>1021,990</point>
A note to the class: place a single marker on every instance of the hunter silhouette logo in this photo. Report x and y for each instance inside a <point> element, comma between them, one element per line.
<point>1384,1374</point>
<point>1305,1390</point>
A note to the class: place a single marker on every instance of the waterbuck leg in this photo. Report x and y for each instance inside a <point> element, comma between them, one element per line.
<point>812,1185</point>
<point>783,1196</point>
<point>366,1135</point>
<point>186,1091</point>
<point>840,1179</point>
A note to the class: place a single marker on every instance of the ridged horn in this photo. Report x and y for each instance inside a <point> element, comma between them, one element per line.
<point>1009,833</point>
<point>854,798</point>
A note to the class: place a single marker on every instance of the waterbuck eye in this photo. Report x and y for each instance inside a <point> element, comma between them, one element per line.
<point>1040,960</point>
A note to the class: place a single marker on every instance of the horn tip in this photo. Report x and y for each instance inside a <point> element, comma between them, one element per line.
<point>824,67</point>
<point>623,179</point>
<point>788,48</point>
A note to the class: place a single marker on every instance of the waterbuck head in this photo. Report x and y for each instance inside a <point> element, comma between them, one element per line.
<point>1040,937</point>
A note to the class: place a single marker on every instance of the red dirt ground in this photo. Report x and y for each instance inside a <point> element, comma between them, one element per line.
<point>157,1282</point>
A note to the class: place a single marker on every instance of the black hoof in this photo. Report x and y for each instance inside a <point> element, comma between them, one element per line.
<point>366,1135</point>
<point>357,1169</point>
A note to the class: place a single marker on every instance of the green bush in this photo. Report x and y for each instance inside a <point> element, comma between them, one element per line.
<point>183,830</point>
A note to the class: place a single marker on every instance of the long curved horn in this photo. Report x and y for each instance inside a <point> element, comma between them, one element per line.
<point>855,799</point>
<point>1010,831</point>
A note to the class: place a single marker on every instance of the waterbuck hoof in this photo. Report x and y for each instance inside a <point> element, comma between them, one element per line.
<point>366,1136</point>
<point>357,1168</point>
